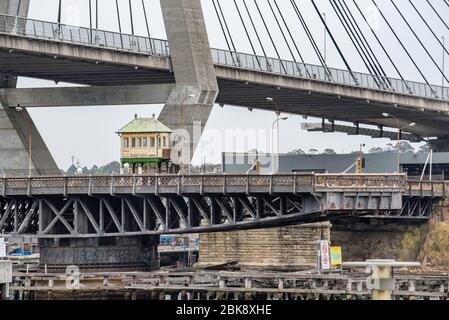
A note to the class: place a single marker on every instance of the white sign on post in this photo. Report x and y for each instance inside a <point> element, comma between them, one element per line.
<point>325,255</point>
<point>2,248</point>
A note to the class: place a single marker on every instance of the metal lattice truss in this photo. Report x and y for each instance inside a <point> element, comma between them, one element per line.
<point>145,215</point>
<point>83,206</point>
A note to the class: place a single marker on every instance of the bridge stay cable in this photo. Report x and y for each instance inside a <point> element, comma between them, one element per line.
<point>291,37</point>
<point>147,25</point>
<point>90,20</point>
<point>224,32</point>
<point>355,41</point>
<point>96,14</point>
<point>59,16</point>
<point>419,40</point>
<point>438,15</point>
<point>335,42</point>
<point>131,17</point>
<point>247,34</point>
<point>229,33</point>
<point>270,36</point>
<point>428,26</point>
<point>284,36</point>
<point>365,43</point>
<point>311,39</point>
<point>381,45</point>
<point>119,22</point>
<point>402,44</point>
<point>257,35</point>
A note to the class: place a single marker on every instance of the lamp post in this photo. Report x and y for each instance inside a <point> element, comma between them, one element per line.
<point>30,162</point>
<point>387,115</point>
<point>275,152</point>
<point>190,96</point>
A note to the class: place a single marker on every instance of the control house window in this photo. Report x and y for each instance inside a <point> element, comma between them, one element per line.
<point>126,143</point>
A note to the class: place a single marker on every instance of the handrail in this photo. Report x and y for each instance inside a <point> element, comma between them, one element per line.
<point>317,181</point>
<point>39,29</point>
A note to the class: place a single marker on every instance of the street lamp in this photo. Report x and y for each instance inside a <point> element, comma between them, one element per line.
<point>387,115</point>
<point>30,163</point>
<point>275,152</point>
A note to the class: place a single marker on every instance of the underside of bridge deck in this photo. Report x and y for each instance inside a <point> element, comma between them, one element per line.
<point>296,97</point>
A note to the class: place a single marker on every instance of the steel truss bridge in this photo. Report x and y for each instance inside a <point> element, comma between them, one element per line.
<point>123,205</point>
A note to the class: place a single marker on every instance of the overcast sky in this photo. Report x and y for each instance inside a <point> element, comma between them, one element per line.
<point>88,133</point>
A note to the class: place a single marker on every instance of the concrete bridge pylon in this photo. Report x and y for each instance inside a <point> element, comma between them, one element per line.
<point>18,134</point>
<point>196,89</point>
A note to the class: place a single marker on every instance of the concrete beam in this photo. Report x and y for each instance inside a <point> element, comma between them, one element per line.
<point>193,68</point>
<point>87,96</point>
<point>351,130</point>
<point>335,89</point>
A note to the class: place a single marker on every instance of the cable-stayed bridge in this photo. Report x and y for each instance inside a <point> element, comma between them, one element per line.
<point>189,77</point>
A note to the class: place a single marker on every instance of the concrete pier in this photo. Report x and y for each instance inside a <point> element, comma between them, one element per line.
<point>5,278</point>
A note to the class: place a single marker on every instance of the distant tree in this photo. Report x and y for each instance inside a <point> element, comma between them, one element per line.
<point>72,170</point>
<point>405,147</point>
<point>329,151</point>
<point>94,170</point>
<point>113,167</point>
<point>313,151</point>
<point>424,149</point>
<point>376,150</point>
<point>389,147</point>
<point>86,171</point>
<point>297,151</point>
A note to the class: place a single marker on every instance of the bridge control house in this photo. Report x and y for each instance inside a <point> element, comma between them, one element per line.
<point>145,147</point>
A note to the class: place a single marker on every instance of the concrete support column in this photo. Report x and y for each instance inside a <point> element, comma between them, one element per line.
<point>4,291</point>
<point>196,84</point>
<point>17,130</point>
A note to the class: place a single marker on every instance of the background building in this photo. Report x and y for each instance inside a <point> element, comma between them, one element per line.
<point>411,163</point>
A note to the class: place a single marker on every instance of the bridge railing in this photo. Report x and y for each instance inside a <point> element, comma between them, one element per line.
<point>360,181</point>
<point>315,72</point>
<point>155,184</point>
<point>84,36</point>
<point>214,183</point>
<point>119,41</point>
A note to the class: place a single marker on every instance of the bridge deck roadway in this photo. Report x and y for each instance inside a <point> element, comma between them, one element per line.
<point>98,206</point>
<point>300,89</point>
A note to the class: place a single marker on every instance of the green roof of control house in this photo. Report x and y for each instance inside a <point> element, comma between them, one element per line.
<point>143,125</point>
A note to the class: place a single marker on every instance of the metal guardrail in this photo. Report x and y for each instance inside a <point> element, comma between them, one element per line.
<point>124,42</point>
<point>215,183</point>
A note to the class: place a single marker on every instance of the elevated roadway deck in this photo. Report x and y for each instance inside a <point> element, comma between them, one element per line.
<point>83,56</point>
